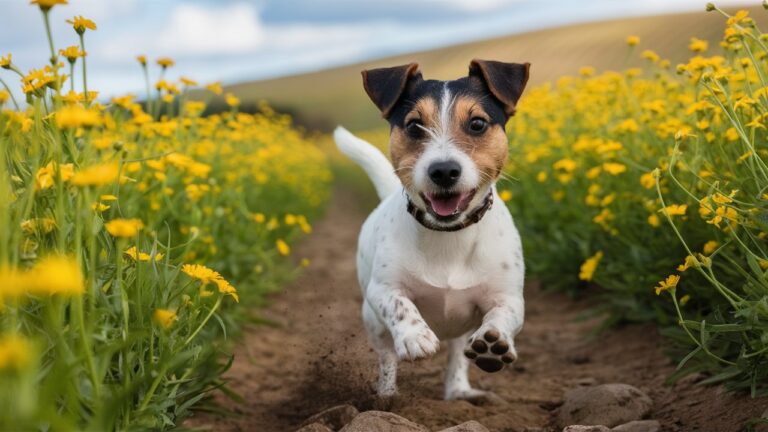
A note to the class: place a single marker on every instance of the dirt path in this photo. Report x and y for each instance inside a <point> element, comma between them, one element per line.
<point>317,357</point>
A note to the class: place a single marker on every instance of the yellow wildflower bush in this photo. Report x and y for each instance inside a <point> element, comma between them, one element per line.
<point>129,231</point>
<point>654,182</point>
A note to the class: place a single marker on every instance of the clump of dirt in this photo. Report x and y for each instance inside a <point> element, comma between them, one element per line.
<point>317,356</point>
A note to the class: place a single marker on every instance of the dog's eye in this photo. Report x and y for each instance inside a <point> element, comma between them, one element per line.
<point>477,125</point>
<point>414,128</point>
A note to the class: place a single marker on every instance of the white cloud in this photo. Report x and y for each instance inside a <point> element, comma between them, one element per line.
<point>192,31</point>
<point>198,30</point>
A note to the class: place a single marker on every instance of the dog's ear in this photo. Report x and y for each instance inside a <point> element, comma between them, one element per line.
<point>506,81</point>
<point>385,85</point>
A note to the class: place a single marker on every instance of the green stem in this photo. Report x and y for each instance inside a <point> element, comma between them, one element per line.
<point>50,38</point>
<point>85,73</point>
<point>13,98</point>
<point>202,324</point>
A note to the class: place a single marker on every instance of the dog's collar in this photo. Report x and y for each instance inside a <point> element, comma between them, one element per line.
<point>471,219</point>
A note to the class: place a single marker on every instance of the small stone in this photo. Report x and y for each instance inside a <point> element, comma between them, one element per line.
<point>382,421</point>
<point>584,428</point>
<point>639,426</point>
<point>335,417</point>
<point>470,426</point>
<point>315,427</point>
<point>608,405</point>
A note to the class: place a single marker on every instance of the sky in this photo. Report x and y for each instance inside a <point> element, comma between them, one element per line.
<point>242,40</point>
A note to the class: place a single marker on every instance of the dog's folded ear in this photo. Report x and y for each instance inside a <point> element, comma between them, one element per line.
<point>505,81</point>
<point>385,85</point>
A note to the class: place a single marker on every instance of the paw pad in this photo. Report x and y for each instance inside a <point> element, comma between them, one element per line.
<point>490,352</point>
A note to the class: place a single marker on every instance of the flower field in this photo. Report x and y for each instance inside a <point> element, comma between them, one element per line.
<point>129,233</point>
<point>652,185</point>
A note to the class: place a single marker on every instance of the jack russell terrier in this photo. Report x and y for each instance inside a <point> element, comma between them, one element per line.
<point>436,261</point>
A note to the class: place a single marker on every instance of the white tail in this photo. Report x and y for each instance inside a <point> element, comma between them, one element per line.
<point>370,159</point>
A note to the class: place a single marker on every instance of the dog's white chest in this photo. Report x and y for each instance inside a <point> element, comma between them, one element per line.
<point>449,312</point>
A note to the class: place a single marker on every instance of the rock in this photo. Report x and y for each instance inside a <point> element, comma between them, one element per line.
<point>334,418</point>
<point>315,427</point>
<point>582,428</point>
<point>639,426</point>
<point>381,421</point>
<point>608,405</point>
<point>470,426</point>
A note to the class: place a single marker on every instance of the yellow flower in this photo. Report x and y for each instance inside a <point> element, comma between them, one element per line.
<point>653,220</point>
<point>232,100</point>
<point>48,4</point>
<point>141,256</point>
<point>108,198</point>
<point>100,207</point>
<point>42,225</point>
<point>57,275</point>
<point>710,247</point>
<point>633,40</point>
<point>15,352</point>
<point>13,283</point>
<point>124,227</point>
<point>305,262</point>
<point>567,165</point>
<point>690,261</point>
<point>5,62</point>
<point>505,195</point>
<point>188,81</point>
<point>282,247</point>
<point>669,283</point>
<point>96,175</point>
<point>698,45</point>
<point>142,59</point>
<point>589,266</point>
<point>259,217</point>
<point>201,273</point>
<point>79,23</point>
<point>648,180</point>
<point>4,95</point>
<point>72,53</point>
<point>587,71</point>
<point>46,176</point>
<point>165,62</point>
<point>227,289</point>
<point>75,116</point>
<point>674,210</point>
<point>215,88</point>
<point>614,168</point>
<point>650,56</point>
<point>164,318</point>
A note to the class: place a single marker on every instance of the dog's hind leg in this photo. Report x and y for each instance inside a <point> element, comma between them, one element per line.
<point>381,342</point>
<point>457,375</point>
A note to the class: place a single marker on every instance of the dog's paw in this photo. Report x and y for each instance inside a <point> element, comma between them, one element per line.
<point>490,350</point>
<point>416,342</point>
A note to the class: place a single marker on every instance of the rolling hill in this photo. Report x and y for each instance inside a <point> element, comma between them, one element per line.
<point>320,100</point>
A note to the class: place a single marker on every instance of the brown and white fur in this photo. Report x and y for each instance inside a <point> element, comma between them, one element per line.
<point>422,283</point>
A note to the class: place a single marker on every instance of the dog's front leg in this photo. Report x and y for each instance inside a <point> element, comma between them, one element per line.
<point>492,345</point>
<point>412,337</point>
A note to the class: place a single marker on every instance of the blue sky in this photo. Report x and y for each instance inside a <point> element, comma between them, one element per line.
<point>239,40</point>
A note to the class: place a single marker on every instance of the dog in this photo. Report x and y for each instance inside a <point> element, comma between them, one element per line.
<point>436,260</point>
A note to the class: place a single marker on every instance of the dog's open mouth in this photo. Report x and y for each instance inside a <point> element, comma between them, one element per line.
<point>447,204</point>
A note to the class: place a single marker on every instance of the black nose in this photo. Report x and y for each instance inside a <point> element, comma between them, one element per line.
<point>444,174</point>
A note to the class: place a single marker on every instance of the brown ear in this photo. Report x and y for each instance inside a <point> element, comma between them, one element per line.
<point>506,81</point>
<point>385,85</point>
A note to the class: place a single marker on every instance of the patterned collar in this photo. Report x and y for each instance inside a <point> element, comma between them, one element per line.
<point>471,219</point>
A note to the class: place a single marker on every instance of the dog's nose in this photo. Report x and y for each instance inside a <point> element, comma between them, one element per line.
<point>444,174</point>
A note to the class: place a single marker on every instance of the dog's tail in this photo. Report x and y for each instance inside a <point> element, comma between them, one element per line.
<point>370,159</point>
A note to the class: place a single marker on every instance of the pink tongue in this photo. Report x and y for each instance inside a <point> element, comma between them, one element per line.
<point>445,206</point>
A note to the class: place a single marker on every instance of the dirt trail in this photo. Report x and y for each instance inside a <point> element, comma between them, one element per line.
<point>317,357</point>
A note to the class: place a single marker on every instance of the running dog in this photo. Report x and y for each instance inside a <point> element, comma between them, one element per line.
<point>436,259</point>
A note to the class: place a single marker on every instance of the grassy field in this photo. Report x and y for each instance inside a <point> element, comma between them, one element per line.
<point>320,100</point>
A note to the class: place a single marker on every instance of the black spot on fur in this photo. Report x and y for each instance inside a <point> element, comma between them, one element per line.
<point>505,265</point>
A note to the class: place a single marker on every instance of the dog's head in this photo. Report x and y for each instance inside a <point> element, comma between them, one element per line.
<point>447,142</point>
